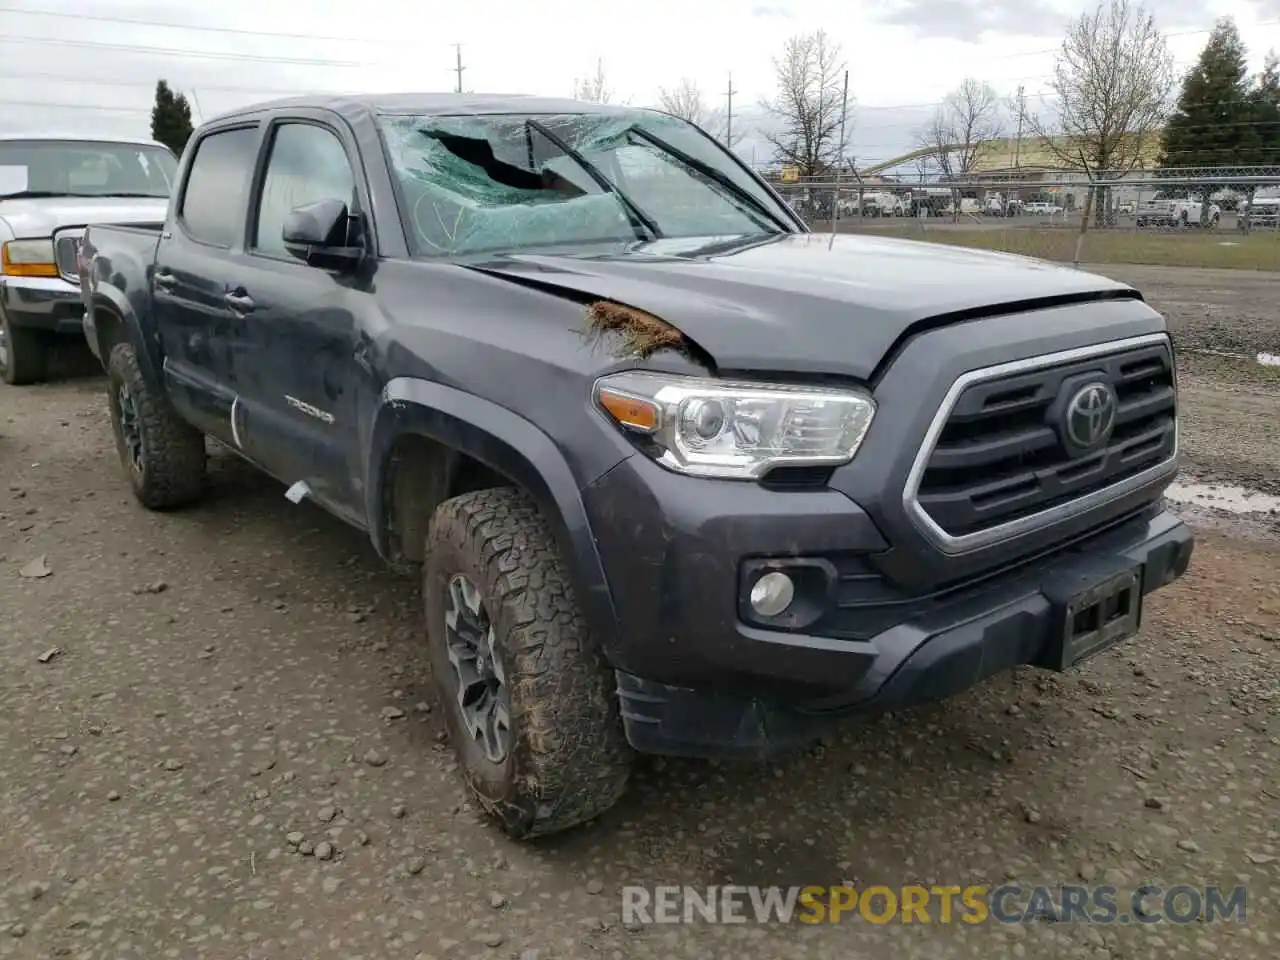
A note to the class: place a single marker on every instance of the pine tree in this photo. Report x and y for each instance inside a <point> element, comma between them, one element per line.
<point>1215,121</point>
<point>171,118</point>
<point>1266,98</point>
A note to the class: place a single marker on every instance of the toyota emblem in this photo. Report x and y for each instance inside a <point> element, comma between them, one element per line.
<point>1091,413</point>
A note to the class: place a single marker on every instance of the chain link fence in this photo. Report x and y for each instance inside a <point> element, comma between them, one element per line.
<point>1189,217</point>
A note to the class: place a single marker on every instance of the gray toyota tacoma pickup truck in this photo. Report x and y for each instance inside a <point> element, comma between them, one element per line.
<point>678,476</point>
<point>51,186</point>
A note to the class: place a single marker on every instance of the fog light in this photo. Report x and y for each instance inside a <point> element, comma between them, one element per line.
<point>772,594</point>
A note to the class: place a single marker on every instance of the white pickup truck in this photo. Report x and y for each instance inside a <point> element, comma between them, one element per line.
<point>1176,213</point>
<point>52,186</point>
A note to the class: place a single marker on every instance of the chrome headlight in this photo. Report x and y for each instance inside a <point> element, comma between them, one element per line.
<point>716,428</point>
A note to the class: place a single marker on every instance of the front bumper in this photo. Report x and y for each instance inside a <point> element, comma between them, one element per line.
<point>42,303</point>
<point>885,614</point>
<point>1000,623</point>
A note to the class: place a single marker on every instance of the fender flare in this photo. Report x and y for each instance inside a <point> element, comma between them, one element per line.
<point>508,444</point>
<point>148,354</point>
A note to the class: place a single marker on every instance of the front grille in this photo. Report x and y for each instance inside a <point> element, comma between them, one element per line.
<point>1002,456</point>
<point>66,247</point>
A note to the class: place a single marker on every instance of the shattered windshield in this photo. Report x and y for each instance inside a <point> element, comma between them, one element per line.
<point>486,183</point>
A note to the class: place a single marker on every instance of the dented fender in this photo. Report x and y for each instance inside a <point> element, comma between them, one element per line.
<point>508,444</point>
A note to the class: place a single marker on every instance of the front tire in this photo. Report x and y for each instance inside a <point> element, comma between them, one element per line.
<point>24,353</point>
<point>162,454</point>
<point>527,695</point>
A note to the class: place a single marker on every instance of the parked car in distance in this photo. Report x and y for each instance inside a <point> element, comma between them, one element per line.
<point>1184,213</point>
<point>51,186</point>
<point>678,476</point>
<point>1263,212</point>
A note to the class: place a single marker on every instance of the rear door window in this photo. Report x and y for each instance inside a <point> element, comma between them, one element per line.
<point>214,198</point>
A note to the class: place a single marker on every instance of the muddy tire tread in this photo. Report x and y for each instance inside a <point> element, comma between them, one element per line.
<point>572,758</point>
<point>174,450</point>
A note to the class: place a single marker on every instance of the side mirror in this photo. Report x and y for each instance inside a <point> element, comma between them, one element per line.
<point>323,233</point>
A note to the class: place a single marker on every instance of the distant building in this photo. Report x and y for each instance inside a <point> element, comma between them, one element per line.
<point>1033,160</point>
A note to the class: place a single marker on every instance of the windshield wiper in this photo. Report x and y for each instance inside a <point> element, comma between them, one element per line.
<point>711,173</point>
<point>28,194</point>
<point>44,194</point>
<point>639,219</point>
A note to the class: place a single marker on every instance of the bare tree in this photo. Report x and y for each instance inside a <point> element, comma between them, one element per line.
<point>1113,81</point>
<point>926,168</point>
<point>593,89</point>
<point>809,104</point>
<point>685,100</point>
<point>964,124</point>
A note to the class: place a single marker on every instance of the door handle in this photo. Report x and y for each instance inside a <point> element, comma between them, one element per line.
<point>239,302</point>
<point>164,280</point>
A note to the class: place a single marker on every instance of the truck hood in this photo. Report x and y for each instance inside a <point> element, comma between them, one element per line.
<point>41,216</point>
<point>801,302</point>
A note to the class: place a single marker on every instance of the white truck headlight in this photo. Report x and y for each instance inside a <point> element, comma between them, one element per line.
<point>735,430</point>
<point>28,258</point>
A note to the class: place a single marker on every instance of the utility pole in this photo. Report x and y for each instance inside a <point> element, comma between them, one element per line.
<point>728,124</point>
<point>459,68</point>
<point>835,200</point>
<point>1022,110</point>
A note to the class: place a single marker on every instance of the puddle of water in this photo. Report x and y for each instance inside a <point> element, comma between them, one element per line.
<point>1223,497</point>
<point>1266,359</point>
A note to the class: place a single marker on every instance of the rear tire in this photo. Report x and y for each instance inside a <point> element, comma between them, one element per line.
<point>24,353</point>
<point>493,572</point>
<point>162,454</point>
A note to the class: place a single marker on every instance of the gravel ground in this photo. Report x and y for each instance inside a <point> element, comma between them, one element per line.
<point>218,742</point>
<point>1221,320</point>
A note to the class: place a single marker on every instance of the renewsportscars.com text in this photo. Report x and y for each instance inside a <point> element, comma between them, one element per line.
<point>1009,903</point>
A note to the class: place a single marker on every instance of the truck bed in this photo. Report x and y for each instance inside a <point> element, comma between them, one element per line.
<point>126,254</point>
<point>118,244</point>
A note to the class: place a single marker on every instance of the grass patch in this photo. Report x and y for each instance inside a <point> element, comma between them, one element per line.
<point>1212,249</point>
<point>639,334</point>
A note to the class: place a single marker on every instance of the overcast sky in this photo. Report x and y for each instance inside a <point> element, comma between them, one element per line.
<point>95,65</point>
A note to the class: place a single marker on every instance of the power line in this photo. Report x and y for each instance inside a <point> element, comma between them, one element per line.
<point>150,84</point>
<point>177,52</point>
<point>87,107</point>
<point>251,58</point>
<point>239,31</point>
<point>230,31</point>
